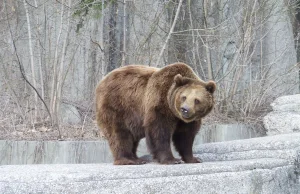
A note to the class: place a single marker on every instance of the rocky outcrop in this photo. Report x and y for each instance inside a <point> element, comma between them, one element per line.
<point>258,165</point>
<point>285,117</point>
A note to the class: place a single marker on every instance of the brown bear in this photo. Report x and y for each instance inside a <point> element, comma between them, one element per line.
<point>136,101</point>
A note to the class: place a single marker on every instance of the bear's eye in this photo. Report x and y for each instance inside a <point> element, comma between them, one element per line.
<point>197,101</point>
<point>183,98</point>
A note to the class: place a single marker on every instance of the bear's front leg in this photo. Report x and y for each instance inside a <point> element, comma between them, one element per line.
<point>183,139</point>
<point>158,138</point>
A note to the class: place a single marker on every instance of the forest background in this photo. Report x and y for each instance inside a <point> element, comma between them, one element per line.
<point>54,52</point>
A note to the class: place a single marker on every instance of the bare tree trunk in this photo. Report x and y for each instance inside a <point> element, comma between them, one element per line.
<point>60,76</point>
<point>178,44</point>
<point>208,60</point>
<point>103,67</point>
<point>40,56</point>
<point>297,35</point>
<point>112,44</point>
<point>194,41</point>
<point>124,34</point>
<point>31,59</point>
<point>169,35</point>
<point>53,102</point>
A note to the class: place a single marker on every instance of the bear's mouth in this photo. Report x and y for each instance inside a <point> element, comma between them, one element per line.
<point>185,114</point>
<point>187,118</point>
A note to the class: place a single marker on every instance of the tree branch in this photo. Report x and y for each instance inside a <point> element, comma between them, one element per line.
<point>22,68</point>
<point>170,33</point>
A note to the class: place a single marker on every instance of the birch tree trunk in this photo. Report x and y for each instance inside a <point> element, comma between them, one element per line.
<point>32,64</point>
<point>53,102</point>
<point>40,56</point>
<point>60,77</point>
<point>124,34</point>
<point>208,59</point>
<point>104,66</point>
<point>112,47</point>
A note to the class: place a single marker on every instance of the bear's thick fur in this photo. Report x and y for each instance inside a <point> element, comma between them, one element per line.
<point>135,101</point>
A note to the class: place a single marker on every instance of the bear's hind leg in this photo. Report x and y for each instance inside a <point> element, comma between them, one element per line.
<point>121,144</point>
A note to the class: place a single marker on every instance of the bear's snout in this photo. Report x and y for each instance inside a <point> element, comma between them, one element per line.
<point>185,112</point>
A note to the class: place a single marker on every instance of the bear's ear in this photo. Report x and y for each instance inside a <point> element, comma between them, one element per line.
<point>211,87</point>
<point>180,81</point>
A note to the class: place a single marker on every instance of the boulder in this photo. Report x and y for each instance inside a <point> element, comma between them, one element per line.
<point>264,165</point>
<point>285,117</point>
<point>289,103</point>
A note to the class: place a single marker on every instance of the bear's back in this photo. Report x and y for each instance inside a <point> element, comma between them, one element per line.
<point>119,96</point>
<point>127,81</point>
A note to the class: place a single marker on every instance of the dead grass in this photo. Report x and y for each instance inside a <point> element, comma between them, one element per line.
<point>43,132</point>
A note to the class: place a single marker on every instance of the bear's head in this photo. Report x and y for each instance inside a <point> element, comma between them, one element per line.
<point>191,99</point>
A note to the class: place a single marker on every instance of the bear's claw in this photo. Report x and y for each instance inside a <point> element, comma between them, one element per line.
<point>172,161</point>
<point>193,160</point>
<point>125,161</point>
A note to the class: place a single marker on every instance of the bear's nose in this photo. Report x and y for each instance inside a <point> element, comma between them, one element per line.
<point>184,112</point>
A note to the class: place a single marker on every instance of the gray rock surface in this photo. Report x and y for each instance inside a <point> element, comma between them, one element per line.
<point>285,146</point>
<point>285,117</point>
<point>282,122</point>
<point>251,176</point>
<point>258,165</point>
<point>289,103</point>
<point>279,40</point>
<point>70,114</point>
